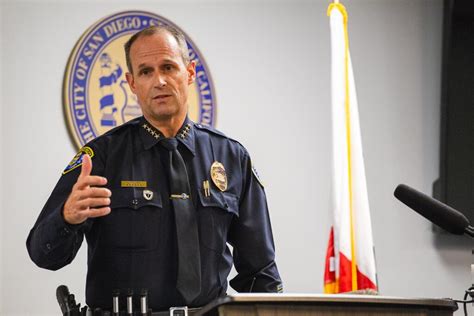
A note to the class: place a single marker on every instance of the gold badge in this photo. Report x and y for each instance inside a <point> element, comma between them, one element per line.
<point>218,175</point>
<point>147,194</point>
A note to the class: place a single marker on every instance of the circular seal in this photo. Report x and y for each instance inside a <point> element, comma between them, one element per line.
<point>96,94</point>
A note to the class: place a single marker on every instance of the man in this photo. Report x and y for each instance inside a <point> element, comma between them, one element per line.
<point>159,197</point>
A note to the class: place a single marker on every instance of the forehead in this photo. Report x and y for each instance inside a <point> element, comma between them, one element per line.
<point>156,46</point>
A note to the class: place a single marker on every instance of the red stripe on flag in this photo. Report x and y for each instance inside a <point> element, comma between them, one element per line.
<point>345,274</point>
<point>329,272</point>
<point>345,279</point>
<point>364,282</point>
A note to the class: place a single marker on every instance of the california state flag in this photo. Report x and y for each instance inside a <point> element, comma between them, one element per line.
<point>350,262</point>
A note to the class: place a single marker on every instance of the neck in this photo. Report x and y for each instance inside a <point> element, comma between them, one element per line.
<point>168,126</point>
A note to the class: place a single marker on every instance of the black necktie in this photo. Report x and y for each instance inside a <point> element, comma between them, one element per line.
<point>189,260</point>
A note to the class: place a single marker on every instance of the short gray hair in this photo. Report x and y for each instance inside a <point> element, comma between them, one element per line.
<point>154,29</point>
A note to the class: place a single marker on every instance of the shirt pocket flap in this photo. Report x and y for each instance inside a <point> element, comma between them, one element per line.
<point>134,198</point>
<point>223,200</point>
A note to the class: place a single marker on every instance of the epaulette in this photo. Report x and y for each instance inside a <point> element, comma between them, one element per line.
<point>214,131</point>
<point>134,121</point>
<point>211,130</point>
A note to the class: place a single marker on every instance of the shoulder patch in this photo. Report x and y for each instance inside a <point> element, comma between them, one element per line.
<point>77,160</point>
<point>257,176</point>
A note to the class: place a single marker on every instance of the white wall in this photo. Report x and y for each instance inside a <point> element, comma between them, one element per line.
<point>270,65</point>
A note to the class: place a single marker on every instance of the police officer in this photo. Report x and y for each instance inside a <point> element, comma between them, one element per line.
<point>159,197</point>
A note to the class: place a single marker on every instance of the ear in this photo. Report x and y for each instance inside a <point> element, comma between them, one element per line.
<point>131,81</point>
<point>191,68</point>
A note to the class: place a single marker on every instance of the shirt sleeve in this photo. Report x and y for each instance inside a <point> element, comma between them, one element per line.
<point>251,238</point>
<point>53,243</point>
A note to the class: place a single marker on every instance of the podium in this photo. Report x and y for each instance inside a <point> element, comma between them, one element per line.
<point>325,305</point>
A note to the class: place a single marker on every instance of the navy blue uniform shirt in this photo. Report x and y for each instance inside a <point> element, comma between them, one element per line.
<point>135,245</point>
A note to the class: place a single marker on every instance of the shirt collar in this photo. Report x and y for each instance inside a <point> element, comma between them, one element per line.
<point>151,136</point>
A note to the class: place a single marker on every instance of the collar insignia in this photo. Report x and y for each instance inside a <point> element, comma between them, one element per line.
<point>183,133</point>
<point>153,132</point>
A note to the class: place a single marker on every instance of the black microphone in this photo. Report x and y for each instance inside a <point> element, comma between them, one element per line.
<point>438,213</point>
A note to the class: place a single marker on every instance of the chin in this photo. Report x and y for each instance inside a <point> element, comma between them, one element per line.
<point>163,115</point>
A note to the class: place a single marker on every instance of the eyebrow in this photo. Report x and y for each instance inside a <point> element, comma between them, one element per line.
<point>164,61</point>
<point>170,61</point>
<point>143,66</point>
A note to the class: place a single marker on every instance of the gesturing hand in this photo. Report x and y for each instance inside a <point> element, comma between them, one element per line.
<point>86,198</point>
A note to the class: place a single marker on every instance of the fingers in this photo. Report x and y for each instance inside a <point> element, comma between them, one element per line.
<point>86,181</point>
<point>80,211</point>
<point>98,192</point>
<point>93,192</point>
<point>87,198</point>
<point>86,168</point>
<point>95,212</point>
<point>92,202</point>
<point>92,197</point>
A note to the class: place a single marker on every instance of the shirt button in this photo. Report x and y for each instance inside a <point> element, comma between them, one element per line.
<point>135,202</point>
<point>48,246</point>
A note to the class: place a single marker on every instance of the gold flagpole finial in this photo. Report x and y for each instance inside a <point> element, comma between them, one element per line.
<point>336,1</point>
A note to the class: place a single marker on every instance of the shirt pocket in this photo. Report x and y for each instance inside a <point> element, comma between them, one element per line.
<point>215,216</point>
<point>134,224</point>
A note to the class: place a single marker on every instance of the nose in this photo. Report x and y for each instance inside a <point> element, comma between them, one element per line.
<point>160,81</point>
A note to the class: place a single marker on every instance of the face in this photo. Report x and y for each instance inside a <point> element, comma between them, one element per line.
<point>160,78</point>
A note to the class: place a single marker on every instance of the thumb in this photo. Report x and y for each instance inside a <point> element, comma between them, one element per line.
<point>86,168</point>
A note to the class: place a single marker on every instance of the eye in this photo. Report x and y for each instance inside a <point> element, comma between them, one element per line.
<point>145,71</point>
<point>168,67</point>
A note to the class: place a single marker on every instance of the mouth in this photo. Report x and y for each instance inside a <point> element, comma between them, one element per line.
<point>161,96</point>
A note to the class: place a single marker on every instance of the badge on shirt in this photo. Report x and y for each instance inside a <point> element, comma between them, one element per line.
<point>148,195</point>
<point>77,160</point>
<point>218,175</point>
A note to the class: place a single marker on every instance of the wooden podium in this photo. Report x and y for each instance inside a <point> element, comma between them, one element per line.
<point>325,305</point>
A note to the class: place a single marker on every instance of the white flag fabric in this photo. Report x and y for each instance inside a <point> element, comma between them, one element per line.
<point>350,261</point>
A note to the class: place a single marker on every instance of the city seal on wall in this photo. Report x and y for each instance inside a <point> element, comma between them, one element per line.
<point>96,94</point>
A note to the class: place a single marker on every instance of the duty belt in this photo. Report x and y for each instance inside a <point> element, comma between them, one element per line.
<point>173,311</point>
